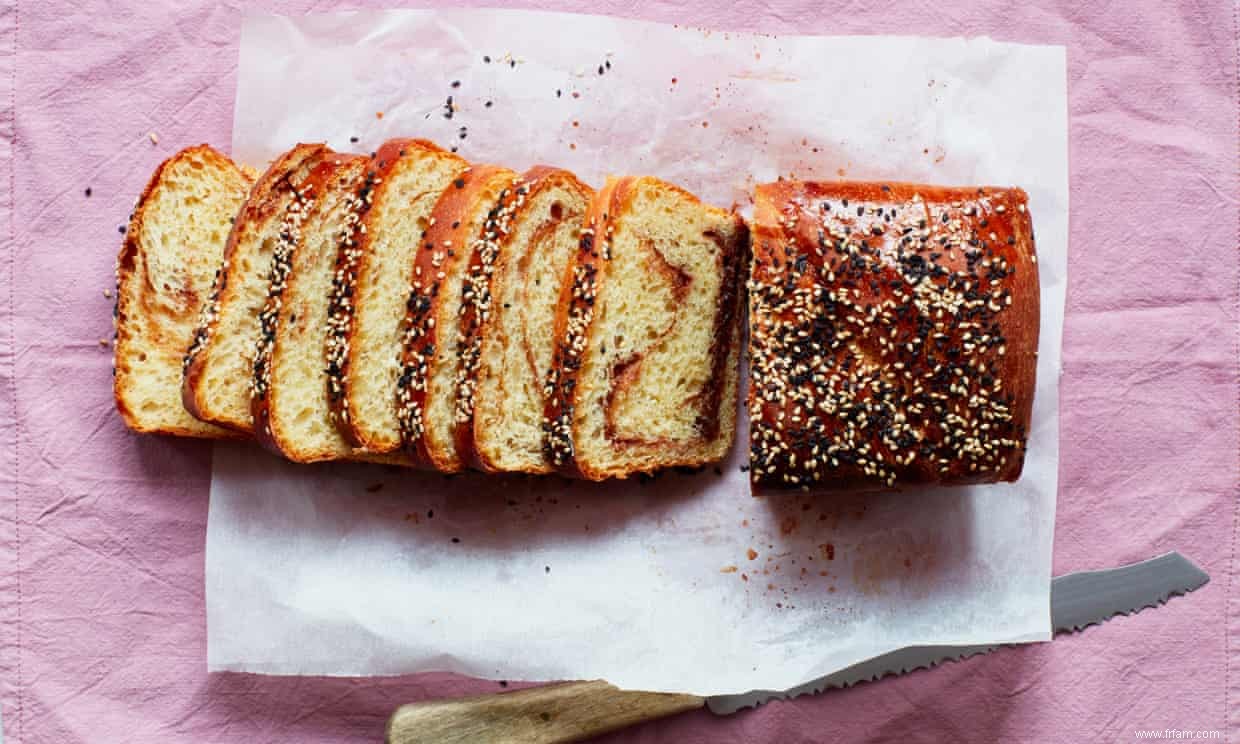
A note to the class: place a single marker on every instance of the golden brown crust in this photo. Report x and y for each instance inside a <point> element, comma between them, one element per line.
<point>342,328</point>
<point>266,196</point>
<point>573,325</point>
<point>444,243</point>
<point>476,320</point>
<point>574,314</point>
<point>126,266</point>
<point>309,192</point>
<point>893,334</point>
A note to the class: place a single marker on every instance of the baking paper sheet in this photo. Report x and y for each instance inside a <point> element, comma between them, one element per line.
<point>687,582</point>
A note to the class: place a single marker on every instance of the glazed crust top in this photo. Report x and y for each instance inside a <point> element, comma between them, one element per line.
<point>893,334</point>
<point>342,324</point>
<point>446,240</point>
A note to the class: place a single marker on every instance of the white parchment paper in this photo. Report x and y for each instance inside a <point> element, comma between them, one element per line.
<point>687,582</point>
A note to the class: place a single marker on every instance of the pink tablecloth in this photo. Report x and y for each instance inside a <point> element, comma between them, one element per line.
<point>101,533</point>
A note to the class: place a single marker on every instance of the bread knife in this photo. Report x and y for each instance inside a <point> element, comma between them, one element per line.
<point>573,711</point>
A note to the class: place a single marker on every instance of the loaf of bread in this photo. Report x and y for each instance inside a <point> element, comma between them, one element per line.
<point>218,366</point>
<point>290,405</point>
<point>535,233</point>
<point>645,369</point>
<point>172,249</point>
<point>408,308</point>
<point>893,335</point>
<point>460,234</point>
<point>372,288</point>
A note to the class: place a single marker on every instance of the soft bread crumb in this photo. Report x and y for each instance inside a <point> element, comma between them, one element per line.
<point>173,247</point>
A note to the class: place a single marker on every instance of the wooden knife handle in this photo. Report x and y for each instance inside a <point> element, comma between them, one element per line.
<point>552,714</point>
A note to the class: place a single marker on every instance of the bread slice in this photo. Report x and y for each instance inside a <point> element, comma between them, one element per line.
<point>645,371</point>
<point>372,288</point>
<point>289,398</point>
<point>173,246</point>
<point>893,335</point>
<point>217,368</point>
<point>431,357</point>
<point>535,234</point>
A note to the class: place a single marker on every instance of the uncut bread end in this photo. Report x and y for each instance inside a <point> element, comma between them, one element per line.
<point>373,287</point>
<point>646,367</point>
<point>217,366</point>
<point>173,246</point>
<point>289,386</point>
<point>893,335</point>
<point>536,242</point>
<point>431,357</point>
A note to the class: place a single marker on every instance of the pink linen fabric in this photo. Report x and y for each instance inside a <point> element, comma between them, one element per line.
<point>102,629</point>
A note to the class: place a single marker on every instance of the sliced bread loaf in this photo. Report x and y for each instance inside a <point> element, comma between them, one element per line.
<point>372,285</point>
<point>289,399</point>
<point>431,357</point>
<point>536,231</point>
<point>173,246</point>
<point>645,371</point>
<point>217,367</point>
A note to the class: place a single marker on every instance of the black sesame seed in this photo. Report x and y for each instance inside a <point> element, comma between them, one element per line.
<point>88,191</point>
<point>488,104</point>
<point>512,63</point>
<point>486,58</point>
<point>456,539</point>
<point>120,229</point>
<point>558,92</point>
<point>353,140</point>
<point>600,69</point>
<point>459,183</point>
<point>456,83</point>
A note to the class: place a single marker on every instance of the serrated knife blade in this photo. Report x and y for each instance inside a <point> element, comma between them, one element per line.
<point>1078,600</point>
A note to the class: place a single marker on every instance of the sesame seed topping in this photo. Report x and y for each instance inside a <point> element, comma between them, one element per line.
<point>874,335</point>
